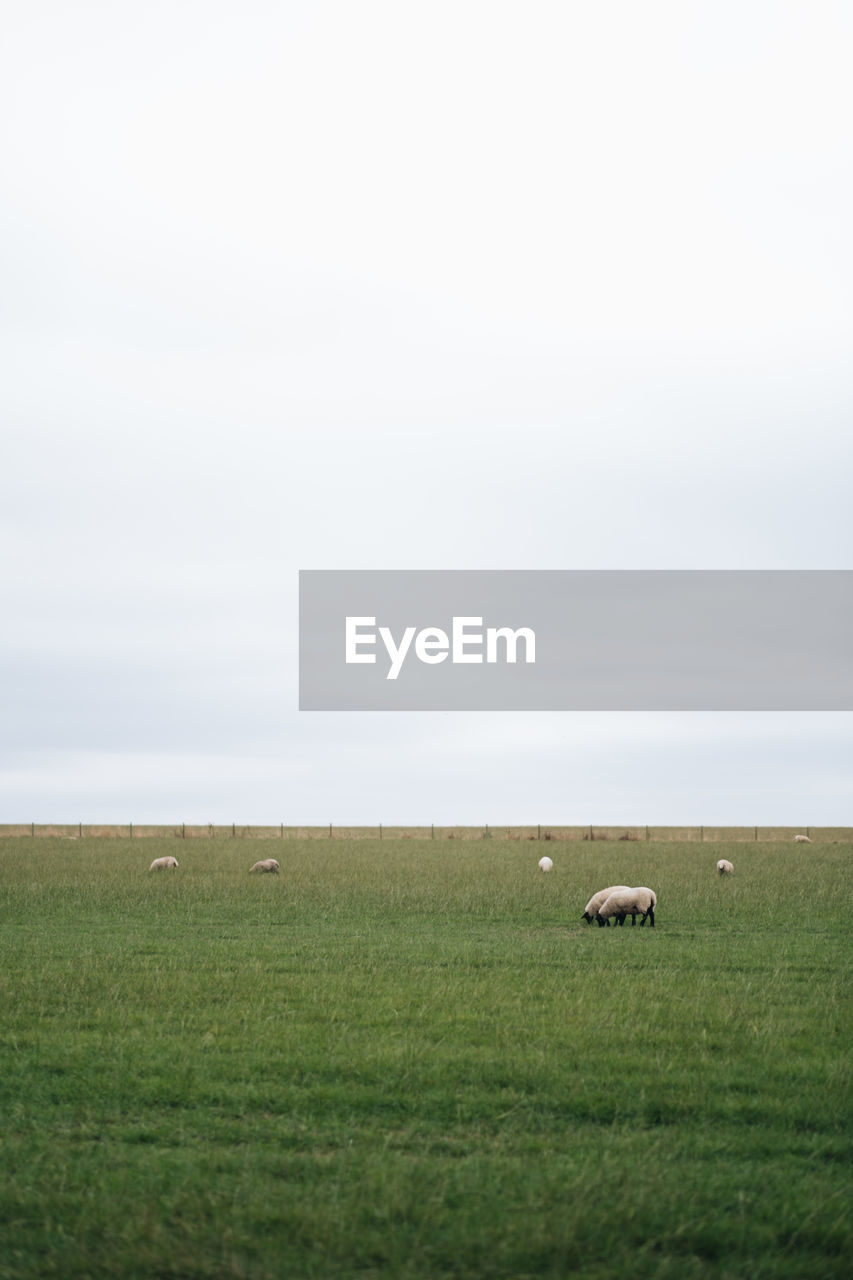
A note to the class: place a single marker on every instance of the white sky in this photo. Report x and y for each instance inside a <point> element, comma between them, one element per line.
<point>393,285</point>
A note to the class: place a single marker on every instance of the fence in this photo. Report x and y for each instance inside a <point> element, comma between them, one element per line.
<point>236,830</point>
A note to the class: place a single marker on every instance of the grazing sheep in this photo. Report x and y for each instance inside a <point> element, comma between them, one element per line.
<point>630,902</point>
<point>545,864</point>
<point>597,901</point>
<point>801,840</point>
<point>268,864</point>
<point>725,868</point>
<point>164,864</point>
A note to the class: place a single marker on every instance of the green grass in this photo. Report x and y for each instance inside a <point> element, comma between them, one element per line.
<point>412,1059</point>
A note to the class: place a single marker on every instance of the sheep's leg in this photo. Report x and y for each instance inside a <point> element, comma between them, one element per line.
<point>633,919</point>
<point>652,916</point>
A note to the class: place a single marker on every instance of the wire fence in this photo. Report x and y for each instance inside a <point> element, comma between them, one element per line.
<point>539,832</point>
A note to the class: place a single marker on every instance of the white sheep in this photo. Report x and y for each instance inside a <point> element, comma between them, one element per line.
<point>801,840</point>
<point>268,864</point>
<point>591,910</point>
<point>725,868</point>
<point>545,864</point>
<point>163,864</point>
<point>630,902</point>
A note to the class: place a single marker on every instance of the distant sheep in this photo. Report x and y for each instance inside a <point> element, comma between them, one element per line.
<point>545,864</point>
<point>164,864</point>
<point>630,902</point>
<point>725,868</point>
<point>801,840</point>
<point>597,901</point>
<point>268,864</point>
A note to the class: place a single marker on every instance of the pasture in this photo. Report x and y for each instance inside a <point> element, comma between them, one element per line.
<point>412,1059</point>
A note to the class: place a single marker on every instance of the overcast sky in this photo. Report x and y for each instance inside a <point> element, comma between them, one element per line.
<point>397,285</point>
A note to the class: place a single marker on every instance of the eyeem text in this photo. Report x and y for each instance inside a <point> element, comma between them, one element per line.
<point>467,642</point>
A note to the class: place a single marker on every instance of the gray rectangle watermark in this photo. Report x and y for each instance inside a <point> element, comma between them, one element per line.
<point>576,640</point>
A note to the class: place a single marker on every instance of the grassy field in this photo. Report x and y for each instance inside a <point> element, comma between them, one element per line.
<point>408,1058</point>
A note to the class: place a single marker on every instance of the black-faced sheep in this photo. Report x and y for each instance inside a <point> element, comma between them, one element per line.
<point>630,902</point>
<point>597,901</point>
<point>725,868</point>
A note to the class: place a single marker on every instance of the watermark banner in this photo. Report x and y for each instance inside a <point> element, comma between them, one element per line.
<point>576,640</point>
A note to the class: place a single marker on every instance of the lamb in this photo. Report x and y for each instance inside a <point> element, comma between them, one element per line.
<point>801,840</point>
<point>267,864</point>
<point>725,868</point>
<point>597,901</point>
<point>630,902</point>
<point>163,864</point>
